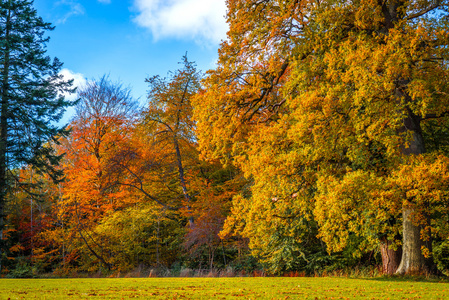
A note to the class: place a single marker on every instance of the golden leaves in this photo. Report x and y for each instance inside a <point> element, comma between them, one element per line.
<point>356,76</point>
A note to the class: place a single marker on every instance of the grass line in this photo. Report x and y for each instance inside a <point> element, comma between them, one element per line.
<point>221,288</point>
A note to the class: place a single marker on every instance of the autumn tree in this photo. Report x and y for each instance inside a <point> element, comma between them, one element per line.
<point>169,118</point>
<point>376,91</point>
<point>31,89</point>
<point>238,121</point>
<point>29,213</point>
<point>163,164</point>
<point>163,142</point>
<point>142,234</point>
<point>359,82</point>
<point>101,126</point>
<point>215,185</point>
<point>204,196</point>
<point>160,166</point>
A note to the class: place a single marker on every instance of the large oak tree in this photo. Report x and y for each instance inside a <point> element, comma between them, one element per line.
<point>313,99</point>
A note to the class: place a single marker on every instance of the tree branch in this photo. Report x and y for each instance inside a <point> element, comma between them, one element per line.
<point>425,11</point>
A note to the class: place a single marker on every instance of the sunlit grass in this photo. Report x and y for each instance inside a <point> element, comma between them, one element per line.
<point>222,288</point>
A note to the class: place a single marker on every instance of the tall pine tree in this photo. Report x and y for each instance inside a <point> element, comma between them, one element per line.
<point>31,89</point>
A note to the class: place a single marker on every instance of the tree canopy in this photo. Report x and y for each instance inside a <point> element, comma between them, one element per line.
<point>323,104</point>
<point>318,142</point>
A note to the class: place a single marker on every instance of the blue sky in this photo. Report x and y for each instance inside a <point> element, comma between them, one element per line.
<point>132,39</point>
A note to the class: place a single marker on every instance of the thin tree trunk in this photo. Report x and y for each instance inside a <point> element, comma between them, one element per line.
<point>179,157</point>
<point>158,243</point>
<point>224,257</point>
<point>4,128</point>
<point>211,257</point>
<point>182,180</point>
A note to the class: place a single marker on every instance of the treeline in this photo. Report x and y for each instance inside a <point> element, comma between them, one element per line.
<point>319,142</point>
<point>137,195</point>
<point>135,192</point>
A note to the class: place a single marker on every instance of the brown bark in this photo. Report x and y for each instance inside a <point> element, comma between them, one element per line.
<point>182,180</point>
<point>4,126</point>
<point>390,257</point>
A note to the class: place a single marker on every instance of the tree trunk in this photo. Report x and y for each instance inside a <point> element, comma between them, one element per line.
<point>182,180</point>
<point>179,157</point>
<point>413,260</point>
<point>390,257</point>
<point>4,128</point>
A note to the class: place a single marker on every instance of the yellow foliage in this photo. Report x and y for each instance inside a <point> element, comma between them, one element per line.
<point>326,101</point>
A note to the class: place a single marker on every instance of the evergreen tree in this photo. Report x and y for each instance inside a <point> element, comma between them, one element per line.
<point>31,101</point>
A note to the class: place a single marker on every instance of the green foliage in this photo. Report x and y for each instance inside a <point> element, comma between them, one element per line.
<point>436,135</point>
<point>31,98</point>
<point>246,264</point>
<point>441,254</point>
<point>32,89</point>
<point>23,269</point>
<point>142,234</point>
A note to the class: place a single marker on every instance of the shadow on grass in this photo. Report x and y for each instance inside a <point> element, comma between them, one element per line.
<point>410,278</point>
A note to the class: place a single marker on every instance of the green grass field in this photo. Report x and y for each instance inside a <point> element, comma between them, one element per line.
<point>222,288</point>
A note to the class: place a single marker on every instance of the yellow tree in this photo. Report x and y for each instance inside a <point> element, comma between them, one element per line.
<point>363,78</point>
<point>239,116</point>
<point>169,119</point>
<point>142,234</point>
<point>361,97</point>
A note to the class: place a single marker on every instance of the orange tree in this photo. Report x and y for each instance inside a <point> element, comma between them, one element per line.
<point>322,104</point>
<point>169,117</point>
<point>158,162</point>
<point>162,168</point>
<point>101,126</point>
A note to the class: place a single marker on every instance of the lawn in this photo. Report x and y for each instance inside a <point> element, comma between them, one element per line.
<point>222,288</point>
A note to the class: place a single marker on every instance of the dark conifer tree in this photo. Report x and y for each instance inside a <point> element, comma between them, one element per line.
<point>31,101</point>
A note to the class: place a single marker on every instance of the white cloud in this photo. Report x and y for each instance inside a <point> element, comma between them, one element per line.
<point>200,20</point>
<point>75,9</point>
<point>78,81</point>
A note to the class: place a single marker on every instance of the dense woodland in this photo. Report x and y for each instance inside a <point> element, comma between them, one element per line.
<point>320,142</point>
